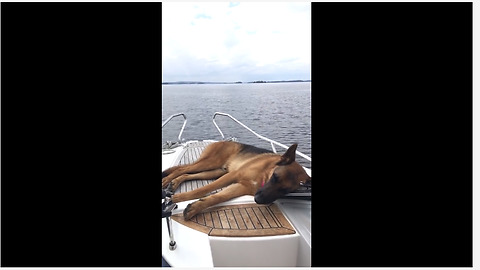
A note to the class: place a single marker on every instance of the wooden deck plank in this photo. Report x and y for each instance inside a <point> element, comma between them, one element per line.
<point>240,220</point>
<point>261,218</point>
<point>223,219</point>
<point>201,219</point>
<point>253,218</point>
<point>216,220</point>
<point>245,233</point>
<point>268,216</point>
<point>231,219</point>
<point>246,219</point>
<point>209,220</point>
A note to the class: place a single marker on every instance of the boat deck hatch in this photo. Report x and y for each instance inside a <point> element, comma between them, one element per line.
<point>242,220</point>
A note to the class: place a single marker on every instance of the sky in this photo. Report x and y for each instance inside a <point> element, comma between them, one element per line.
<point>242,41</point>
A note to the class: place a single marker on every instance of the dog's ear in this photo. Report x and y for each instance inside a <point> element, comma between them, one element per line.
<point>289,156</point>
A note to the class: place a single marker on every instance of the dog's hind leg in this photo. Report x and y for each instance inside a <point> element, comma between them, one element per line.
<point>207,175</point>
<point>232,191</point>
<point>213,157</point>
<point>221,182</point>
<point>197,167</point>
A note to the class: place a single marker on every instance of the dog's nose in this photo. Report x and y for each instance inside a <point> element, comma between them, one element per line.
<point>257,197</point>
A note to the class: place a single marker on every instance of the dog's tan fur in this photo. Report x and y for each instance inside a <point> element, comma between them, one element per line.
<point>242,169</point>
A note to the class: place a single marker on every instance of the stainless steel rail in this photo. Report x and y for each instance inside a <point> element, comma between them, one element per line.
<point>184,123</point>
<point>272,142</point>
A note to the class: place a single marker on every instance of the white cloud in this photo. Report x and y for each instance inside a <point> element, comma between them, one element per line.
<point>222,41</point>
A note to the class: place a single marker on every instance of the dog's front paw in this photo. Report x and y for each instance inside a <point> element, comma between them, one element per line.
<point>174,184</point>
<point>190,211</point>
<point>165,182</point>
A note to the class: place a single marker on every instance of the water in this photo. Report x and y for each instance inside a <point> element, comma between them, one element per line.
<point>279,111</point>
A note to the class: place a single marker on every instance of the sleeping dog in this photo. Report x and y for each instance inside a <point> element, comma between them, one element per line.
<point>242,169</point>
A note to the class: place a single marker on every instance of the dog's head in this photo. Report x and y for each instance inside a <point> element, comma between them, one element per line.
<point>286,177</point>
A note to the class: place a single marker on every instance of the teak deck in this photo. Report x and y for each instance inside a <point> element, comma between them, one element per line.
<point>239,221</point>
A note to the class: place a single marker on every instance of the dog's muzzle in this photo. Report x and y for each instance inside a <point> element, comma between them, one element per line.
<point>261,199</point>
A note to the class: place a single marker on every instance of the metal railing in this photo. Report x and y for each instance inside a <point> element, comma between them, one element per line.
<point>272,142</point>
<point>184,123</point>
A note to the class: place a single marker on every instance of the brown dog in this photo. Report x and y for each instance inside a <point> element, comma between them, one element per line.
<point>245,169</point>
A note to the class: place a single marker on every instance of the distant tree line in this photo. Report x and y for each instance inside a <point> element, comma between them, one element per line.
<point>195,82</point>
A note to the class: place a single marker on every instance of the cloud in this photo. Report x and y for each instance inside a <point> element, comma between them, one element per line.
<point>202,16</point>
<point>241,41</point>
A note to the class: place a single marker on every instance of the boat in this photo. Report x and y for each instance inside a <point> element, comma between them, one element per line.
<point>239,232</point>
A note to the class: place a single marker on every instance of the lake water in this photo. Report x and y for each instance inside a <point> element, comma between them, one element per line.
<point>279,111</point>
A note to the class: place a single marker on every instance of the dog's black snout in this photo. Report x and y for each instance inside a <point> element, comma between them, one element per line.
<point>260,198</point>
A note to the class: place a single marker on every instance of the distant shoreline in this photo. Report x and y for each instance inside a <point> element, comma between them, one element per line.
<point>195,82</point>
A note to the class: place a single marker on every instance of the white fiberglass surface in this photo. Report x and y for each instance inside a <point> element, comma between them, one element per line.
<point>170,156</point>
<point>193,247</point>
<point>265,251</point>
<point>299,213</point>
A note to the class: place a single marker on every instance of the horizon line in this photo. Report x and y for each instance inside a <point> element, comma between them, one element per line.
<point>234,82</point>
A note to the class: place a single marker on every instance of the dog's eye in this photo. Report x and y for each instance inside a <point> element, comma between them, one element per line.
<point>274,178</point>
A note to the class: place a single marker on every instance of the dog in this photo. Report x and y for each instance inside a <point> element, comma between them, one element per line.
<point>243,169</point>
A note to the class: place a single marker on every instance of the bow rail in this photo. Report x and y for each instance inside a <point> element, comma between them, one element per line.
<point>272,142</point>
<point>184,123</point>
